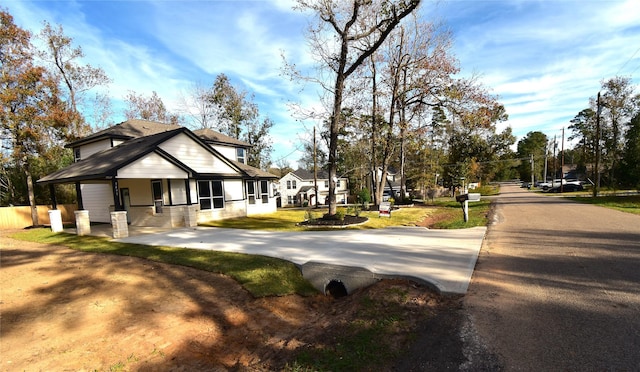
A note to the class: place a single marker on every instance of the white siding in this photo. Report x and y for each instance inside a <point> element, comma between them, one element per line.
<point>226,151</point>
<point>151,166</point>
<point>284,192</point>
<point>195,156</point>
<point>178,192</point>
<point>233,190</point>
<point>260,208</point>
<point>231,210</point>
<point>93,147</point>
<point>96,198</point>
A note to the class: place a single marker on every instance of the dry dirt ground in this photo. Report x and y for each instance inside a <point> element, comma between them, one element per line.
<point>62,309</point>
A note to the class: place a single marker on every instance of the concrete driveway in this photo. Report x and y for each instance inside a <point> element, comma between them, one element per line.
<point>443,259</point>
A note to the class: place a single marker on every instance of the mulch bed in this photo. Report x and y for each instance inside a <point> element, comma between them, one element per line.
<point>330,222</point>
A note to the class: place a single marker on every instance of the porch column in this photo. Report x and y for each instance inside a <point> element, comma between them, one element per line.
<point>79,196</point>
<point>186,187</point>
<point>83,225</point>
<point>119,224</point>
<point>55,217</point>
<point>52,193</point>
<point>116,195</point>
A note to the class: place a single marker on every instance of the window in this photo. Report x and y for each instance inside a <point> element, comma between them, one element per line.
<point>338,183</point>
<point>241,155</point>
<point>289,186</point>
<point>326,184</point>
<point>293,184</point>
<point>211,194</point>
<point>76,154</point>
<point>289,199</point>
<point>264,191</point>
<point>251,192</point>
<point>156,188</point>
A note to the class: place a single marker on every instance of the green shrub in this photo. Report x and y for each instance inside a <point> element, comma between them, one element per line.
<point>364,196</point>
<point>340,213</point>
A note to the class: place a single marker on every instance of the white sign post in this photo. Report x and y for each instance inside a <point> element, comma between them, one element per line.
<point>384,210</point>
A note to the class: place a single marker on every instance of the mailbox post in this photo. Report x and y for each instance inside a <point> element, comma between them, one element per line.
<point>464,200</point>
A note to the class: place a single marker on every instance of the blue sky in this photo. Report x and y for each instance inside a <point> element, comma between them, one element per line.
<point>543,58</point>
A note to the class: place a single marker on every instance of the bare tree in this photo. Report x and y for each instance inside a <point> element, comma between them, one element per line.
<point>76,78</point>
<point>350,22</point>
<point>148,108</point>
<point>197,105</point>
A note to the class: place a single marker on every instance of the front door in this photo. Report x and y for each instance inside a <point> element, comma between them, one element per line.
<point>156,187</point>
<point>126,202</point>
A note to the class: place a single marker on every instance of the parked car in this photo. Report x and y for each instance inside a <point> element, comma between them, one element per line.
<point>544,185</point>
<point>567,187</point>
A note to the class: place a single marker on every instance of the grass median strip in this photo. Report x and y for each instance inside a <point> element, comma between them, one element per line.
<point>260,275</point>
<point>287,220</point>
<point>627,203</point>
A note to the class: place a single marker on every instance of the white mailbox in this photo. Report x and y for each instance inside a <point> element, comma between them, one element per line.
<point>474,196</point>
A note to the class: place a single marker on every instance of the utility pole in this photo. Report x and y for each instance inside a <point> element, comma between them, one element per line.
<point>546,153</point>
<point>555,167</point>
<point>532,170</point>
<point>597,166</point>
<point>315,167</point>
<point>562,164</point>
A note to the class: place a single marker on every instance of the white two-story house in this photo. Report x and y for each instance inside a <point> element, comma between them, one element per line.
<point>298,189</point>
<point>164,175</point>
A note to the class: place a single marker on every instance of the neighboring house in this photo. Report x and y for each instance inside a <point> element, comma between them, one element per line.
<point>164,175</point>
<point>297,188</point>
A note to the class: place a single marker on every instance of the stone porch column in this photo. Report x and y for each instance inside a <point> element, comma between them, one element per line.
<point>119,224</point>
<point>83,225</point>
<point>190,216</point>
<point>55,217</point>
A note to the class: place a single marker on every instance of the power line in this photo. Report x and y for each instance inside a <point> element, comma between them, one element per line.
<point>629,60</point>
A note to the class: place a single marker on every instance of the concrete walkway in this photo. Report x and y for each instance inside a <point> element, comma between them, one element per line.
<point>444,259</point>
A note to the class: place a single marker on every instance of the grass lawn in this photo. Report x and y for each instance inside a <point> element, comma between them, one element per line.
<point>286,219</point>
<point>629,203</point>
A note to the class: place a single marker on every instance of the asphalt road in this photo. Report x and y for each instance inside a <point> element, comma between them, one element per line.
<point>557,286</point>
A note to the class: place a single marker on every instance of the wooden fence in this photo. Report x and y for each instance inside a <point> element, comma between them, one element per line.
<point>20,217</point>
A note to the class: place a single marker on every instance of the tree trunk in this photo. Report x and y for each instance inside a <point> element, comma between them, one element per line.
<point>32,198</point>
<point>333,143</point>
<point>374,129</point>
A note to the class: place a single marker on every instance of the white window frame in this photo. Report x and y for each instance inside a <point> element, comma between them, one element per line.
<point>241,155</point>
<point>251,194</point>
<point>264,191</point>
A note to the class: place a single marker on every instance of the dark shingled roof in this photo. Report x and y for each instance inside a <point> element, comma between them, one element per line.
<point>252,171</point>
<point>304,174</point>
<point>211,136</point>
<point>105,164</point>
<point>132,128</point>
<point>136,128</point>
